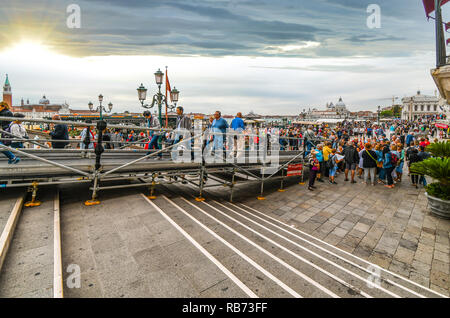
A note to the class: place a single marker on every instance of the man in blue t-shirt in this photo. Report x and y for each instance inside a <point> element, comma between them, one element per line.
<point>219,126</point>
<point>238,123</point>
<point>409,139</point>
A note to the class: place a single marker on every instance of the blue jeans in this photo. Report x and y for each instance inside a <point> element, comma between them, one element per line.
<point>423,181</point>
<point>154,143</point>
<point>333,171</point>
<point>382,175</point>
<point>218,143</point>
<point>16,145</point>
<point>7,153</point>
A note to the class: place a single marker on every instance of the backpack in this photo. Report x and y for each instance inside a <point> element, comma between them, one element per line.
<point>308,159</point>
<point>394,159</point>
<point>330,162</point>
<point>6,136</point>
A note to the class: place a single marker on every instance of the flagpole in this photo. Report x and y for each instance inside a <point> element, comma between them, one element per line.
<point>167,116</point>
<point>440,42</point>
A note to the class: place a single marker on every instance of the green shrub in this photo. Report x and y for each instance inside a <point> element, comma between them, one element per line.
<point>438,169</point>
<point>438,190</point>
<point>439,149</point>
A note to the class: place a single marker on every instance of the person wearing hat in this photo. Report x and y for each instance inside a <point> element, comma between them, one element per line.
<point>5,112</point>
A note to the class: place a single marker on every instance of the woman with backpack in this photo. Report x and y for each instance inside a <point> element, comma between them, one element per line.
<point>388,166</point>
<point>332,166</point>
<point>369,163</point>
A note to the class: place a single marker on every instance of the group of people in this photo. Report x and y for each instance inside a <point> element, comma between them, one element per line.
<point>369,154</point>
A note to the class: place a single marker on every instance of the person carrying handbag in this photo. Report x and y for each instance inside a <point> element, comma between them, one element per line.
<point>369,163</point>
<point>314,168</point>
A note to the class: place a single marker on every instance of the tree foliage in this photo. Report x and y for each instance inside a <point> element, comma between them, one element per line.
<point>439,149</point>
<point>387,113</point>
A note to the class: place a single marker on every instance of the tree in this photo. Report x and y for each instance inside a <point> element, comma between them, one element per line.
<point>387,113</point>
<point>397,111</point>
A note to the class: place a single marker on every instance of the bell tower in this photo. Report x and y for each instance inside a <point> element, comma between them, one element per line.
<point>7,94</point>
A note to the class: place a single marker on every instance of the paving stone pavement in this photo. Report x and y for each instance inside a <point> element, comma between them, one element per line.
<point>392,228</point>
<point>126,248</point>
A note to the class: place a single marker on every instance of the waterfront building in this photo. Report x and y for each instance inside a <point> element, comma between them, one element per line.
<point>419,106</point>
<point>43,109</point>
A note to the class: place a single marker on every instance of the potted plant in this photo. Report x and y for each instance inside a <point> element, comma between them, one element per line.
<point>438,168</point>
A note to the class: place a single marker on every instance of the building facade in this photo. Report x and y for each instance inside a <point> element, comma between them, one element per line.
<point>43,109</point>
<point>419,106</point>
<point>338,111</point>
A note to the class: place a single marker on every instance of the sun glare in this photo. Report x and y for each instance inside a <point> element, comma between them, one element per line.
<point>31,49</point>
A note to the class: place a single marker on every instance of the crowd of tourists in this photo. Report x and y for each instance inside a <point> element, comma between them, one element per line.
<point>375,154</point>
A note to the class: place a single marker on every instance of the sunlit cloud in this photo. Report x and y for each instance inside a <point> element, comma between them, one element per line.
<point>259,55</point>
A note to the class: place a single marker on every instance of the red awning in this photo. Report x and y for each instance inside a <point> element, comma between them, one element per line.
<point>443,126</point>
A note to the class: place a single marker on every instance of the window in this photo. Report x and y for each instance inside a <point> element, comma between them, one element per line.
<point>428,108</point>
<point>435,107</point>
<point>415,108</point>
<point>421,108</point>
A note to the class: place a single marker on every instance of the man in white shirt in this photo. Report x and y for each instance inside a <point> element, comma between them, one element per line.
<point>18,131</point>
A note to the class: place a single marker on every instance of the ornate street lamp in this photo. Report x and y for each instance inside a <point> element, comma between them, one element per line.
<point>100,108</point>
<point>159,76</point>
<point>174,95</point>
<point>158,98</point>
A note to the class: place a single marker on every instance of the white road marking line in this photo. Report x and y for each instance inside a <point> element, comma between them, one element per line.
<point>236,280</point>
<point>245,257</point>
<point>298,256</point>
<point>57,257</point>
<point>345,252</point>
<point>275,258</point>
<point>8,231</point>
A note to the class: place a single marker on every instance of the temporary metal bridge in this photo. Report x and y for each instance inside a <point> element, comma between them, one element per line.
<point>135,167</point>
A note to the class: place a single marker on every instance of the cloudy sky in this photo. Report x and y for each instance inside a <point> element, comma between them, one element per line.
<point>272,57</point>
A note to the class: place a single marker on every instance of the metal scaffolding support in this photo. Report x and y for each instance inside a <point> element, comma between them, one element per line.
<point>60,166</point>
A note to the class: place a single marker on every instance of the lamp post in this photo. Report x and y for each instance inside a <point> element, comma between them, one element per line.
<point>158,98</point>
<point>100,108</point>
<point>378,112</point>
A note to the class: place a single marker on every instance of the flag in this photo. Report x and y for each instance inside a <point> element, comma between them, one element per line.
<point>168,89</point>
<point>429,6</point>
<point>448,41</point>
<point>447,26</point>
